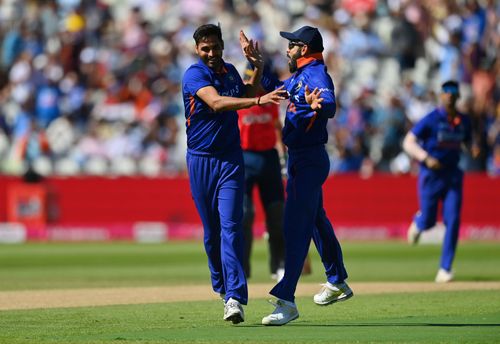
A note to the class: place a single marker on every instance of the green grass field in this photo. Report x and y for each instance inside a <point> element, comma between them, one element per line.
<point>419,317</point>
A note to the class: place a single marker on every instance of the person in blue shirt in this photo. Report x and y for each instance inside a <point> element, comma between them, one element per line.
<point>436,142</point>
<point>213,90</point>
<point>311,104</point>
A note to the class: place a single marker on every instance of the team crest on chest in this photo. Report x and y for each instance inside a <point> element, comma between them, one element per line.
<point>299,85</point>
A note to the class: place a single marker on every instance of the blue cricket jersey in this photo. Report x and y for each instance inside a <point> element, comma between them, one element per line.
<point>303,126</point>
<point>441,138</point>
<point>210,132</point>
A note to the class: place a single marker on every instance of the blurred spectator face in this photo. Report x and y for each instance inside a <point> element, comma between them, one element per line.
<point>210,49</point>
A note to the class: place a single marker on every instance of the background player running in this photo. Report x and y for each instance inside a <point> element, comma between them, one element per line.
<point>436,141</point>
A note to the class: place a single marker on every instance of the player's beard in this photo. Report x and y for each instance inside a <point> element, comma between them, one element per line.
<point>292,65</point>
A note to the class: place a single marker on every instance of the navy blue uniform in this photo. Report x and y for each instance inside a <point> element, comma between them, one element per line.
<point>216,175</point>
<point>305,135</point>
<point>442,139</point>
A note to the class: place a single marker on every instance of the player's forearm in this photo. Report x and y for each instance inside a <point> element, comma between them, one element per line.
<point>413,149</point>
<point>232,104</point>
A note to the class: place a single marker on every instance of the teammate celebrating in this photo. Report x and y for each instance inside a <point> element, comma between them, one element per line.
<point>312,103</point>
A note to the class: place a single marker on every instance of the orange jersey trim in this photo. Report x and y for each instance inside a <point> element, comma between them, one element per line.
<point>311,121</point>
<point>302,61</point>
<point>191,109</point>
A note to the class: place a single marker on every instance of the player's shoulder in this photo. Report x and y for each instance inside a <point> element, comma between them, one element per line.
<point>432,116</point>
<point>316,69</point>
<point>318,73</point>
<point>429,120</point>
<point>194,72</point>
<point>196,68</point>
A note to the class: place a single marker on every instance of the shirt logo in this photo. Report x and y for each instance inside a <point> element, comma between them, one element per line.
<point>299,85</point>
<point>234,92</point>
<point>257,119</point>
<point>449,138</point>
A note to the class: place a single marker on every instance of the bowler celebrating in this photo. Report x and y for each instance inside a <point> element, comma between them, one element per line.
<point>213,90</point>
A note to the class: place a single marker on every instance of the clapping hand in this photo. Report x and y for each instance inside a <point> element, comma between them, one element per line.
<point>251,50</point>
<point>312,98</point>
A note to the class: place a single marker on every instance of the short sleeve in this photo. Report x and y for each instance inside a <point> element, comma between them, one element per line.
<point>196,78</point>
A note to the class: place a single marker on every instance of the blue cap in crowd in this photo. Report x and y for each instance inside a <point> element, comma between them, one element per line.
<point>308,35</point>
<point>451,87</point>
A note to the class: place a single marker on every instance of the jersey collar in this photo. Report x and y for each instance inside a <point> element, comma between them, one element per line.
<point>453,121</point>
<point>305,60</point>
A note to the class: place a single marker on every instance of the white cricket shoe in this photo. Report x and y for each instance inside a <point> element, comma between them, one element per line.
<point>413,234</point>
<point>331,293</point>
<point>444,276</point>
<point>233,311</point>
<point>284,312</point>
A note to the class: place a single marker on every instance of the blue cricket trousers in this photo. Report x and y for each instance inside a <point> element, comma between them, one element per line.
<point>434,186</point>
<point>305,218</point>
<point>217,188</point>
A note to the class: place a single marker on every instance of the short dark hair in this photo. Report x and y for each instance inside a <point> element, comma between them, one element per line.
<point>451,86</point>
<point>450,83</point>
<point>205,31</point>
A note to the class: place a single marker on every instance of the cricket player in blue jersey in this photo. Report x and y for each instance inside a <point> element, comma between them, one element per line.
<point>213,90</point>
<point>436,141</point>
<point>311,105</point>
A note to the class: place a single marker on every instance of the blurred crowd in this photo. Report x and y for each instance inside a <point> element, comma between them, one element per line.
<point>93,86</point>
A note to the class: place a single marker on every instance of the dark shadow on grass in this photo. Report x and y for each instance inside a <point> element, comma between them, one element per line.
<point>386,325</point>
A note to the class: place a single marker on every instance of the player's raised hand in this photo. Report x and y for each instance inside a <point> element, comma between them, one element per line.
<point>273,97</point>
<point>313,98</point>
<point>251,50</point>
